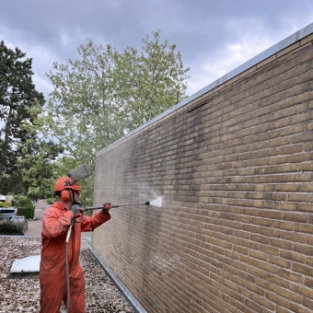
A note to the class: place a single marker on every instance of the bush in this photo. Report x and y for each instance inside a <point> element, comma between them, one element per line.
<point>50,200</point>
<point>22,201</point>
<point>24,207</point>
<point>9,228</point>
<point>5,204</point>
<point>29,213</point>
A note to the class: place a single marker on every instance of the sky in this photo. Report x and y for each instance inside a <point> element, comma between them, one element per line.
<point>214,37</point>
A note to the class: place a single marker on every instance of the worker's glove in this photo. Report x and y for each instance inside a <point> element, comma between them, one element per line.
<point>77,210</point>
<point>106,208</point>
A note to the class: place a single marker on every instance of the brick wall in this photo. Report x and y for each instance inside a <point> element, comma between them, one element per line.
<point>234,169</point>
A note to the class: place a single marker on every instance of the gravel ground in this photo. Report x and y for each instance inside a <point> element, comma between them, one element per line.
<point>22,294</point>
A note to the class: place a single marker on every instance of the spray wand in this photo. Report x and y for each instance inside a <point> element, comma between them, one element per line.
<point>115,206</point>
<point>156,202</point>
<point>102,207</point>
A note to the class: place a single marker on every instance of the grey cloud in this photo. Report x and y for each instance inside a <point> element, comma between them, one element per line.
<point>201,29</point>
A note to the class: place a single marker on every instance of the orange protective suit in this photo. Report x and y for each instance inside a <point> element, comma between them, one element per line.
<point>56,221</point>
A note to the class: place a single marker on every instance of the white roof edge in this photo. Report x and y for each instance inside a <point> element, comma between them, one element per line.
<point>302,33</point>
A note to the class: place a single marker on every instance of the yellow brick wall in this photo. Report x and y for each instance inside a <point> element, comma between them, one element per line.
<point>234,169</point>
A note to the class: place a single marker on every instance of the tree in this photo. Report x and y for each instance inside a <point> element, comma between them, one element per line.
<point>21,148</point>
<point>79,113</point>
<point>38,171</point>
<point>148,82</point>
<point>104,95</point>
<point>39,168</point>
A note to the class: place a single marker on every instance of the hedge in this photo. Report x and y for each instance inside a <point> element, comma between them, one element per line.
<point>9,228</point>
<point>28,212</point>
<point>24,207</point>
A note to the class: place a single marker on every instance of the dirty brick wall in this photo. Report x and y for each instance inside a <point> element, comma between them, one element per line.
<point>234,169</point>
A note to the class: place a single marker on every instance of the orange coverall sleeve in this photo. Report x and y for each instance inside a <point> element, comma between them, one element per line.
<point>55,225</point>
<point>91,222</point>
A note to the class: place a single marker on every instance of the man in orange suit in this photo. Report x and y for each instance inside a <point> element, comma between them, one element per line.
<point>54,267</point>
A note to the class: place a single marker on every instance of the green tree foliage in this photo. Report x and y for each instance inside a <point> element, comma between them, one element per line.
<point>39,169</point>
<point>5,204</point>
<point>148,82</point>
<point>11,183</point>
<point>79,111</point>
<point>17,93</point>
<point>25,159</point>
<point>105,94</point>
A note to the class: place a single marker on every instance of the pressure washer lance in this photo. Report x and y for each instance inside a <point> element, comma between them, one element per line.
<point>115,206</point>
<point>98,208</point>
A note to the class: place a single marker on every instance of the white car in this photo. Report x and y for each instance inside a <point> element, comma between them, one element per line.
<point>7,213</point>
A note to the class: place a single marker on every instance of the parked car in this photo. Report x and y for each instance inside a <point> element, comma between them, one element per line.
<point>7,213</point>
<point>18,218</point>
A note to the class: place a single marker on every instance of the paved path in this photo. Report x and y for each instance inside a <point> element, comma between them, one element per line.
<point>34,227</point>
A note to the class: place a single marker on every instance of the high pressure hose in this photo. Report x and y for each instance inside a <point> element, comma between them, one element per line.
<point>68,235</point>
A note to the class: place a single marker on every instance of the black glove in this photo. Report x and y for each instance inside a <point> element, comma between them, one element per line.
<point>106,208</point>
<point>77,210</point>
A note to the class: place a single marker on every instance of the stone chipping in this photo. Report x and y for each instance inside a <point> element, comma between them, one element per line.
<point>21,293</point>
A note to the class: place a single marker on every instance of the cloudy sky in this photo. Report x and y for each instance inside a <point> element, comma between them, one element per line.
<point>214,37</point>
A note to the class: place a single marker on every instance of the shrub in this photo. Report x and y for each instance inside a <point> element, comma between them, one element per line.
<point>50,200</point>
<point>24,207</point>
<point>28,212</point>
<point>21,201</point>
<point>9,228</point>
<point>5,204</point>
